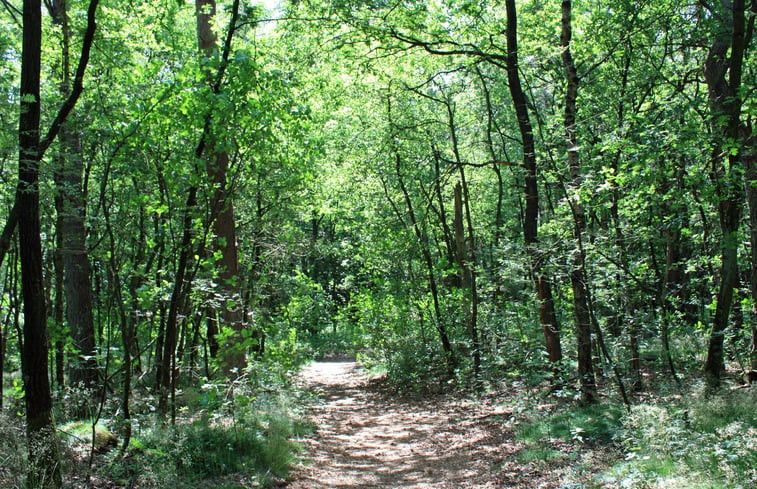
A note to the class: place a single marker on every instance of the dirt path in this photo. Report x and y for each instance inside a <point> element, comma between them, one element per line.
<point>368,439</point>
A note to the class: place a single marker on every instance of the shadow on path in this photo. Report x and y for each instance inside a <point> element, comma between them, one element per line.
<point>368,439</point>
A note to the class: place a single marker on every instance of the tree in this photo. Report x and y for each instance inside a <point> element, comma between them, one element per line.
<point>722,71</point>
<point>167,372</point>
<point>222,210</point>
<point>547,314</point>
<point>578,278</point>
<point>83,371</point>
<point>44,460</point>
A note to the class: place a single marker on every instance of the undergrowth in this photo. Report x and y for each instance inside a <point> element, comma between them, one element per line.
<point>226,435</point>
<point>253,447</point>
<point>696,440</point>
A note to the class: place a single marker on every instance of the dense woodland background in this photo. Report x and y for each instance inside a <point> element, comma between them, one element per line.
<point>469,196</point>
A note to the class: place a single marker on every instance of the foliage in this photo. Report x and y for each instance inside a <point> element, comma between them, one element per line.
<point>198,451</point>
<point>706,441</point>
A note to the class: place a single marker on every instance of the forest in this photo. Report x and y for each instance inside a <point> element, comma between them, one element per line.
<point>530,218</point>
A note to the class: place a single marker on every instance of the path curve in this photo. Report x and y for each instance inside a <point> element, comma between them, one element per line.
<point>368,439</point>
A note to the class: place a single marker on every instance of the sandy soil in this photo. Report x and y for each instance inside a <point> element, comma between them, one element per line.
<point>366,438</point>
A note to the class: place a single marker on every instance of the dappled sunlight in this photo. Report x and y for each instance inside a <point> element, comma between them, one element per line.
<point>369,439</point>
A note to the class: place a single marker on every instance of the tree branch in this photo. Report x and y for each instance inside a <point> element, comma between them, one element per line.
<point>5,238</point>
<point>78,87</point>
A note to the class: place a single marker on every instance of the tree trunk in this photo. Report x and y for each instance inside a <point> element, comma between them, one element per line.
<point>58,305</point>
<point>167,372</point>
<point>222,211</point>
<point>578,278</point>
<point>83,370</point>
<point>723,76</point>
<point>547,315</point>
<point>423,243</point>
<point>77,269</point>
<point>750,158</point>
<point>44,457</point>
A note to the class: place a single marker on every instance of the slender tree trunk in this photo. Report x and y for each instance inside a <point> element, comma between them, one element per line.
<point>547,315</point>
<point>167,372</point>
<point>578,277</point>
<point>625,310</point>
<point>750,161</point>
<point>670,285</point>
<point>423,243</point>
<point>751,189</point>
<point>58,305</point>
<point>446,233</point>
<point>10,287</point>
<point>165,368</point>
<point>465,245</point>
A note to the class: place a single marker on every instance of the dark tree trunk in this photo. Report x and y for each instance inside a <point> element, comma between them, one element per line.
<point>44,458</point>
<point>8,231</point>
<point>751,175</point>
<point>77,269</point>
<point>578,278</point>
<point>670,287</point>
<point>547,315</point>
<point>166,374</point>
<point>71,208</point>
<point>58,305</point>
<point>722,73</point>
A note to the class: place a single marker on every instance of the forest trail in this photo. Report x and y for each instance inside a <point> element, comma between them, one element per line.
<point>366,438</point>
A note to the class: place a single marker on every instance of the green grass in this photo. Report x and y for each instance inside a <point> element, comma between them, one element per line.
<point>538,454</point>
<point>590,424</point>
<point>253,446</point>
<point>699,441</point>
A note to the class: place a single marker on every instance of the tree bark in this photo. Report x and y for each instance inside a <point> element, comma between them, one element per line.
<point>578,278</point>
<point>83,370</point>
<point>722,72</point>
<point>547,315</point>
<point>44,457</point>
<point>222,211</point>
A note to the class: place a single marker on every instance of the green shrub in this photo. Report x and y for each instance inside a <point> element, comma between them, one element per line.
<point>707,442</point>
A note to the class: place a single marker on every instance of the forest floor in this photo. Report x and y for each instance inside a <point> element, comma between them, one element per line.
<point>367,437</point>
